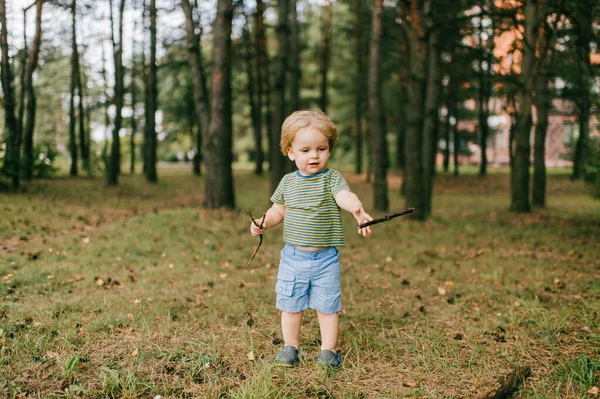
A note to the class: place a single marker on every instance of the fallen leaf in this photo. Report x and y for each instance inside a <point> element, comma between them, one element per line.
<point>86,240</point>
<point>171,265</point>
<point>99,282</point>
<point>130,316</point>
<point>594,391</point>
<point>449,283</point>
<point>409,383</point>
<point>223,275</point>
<point>50,277</point>
<point>388,259</point>
<point>135,352</point>
<point>250,355</point>
<point>441,291</point>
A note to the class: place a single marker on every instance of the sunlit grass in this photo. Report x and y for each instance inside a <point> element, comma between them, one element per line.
<point>137,291</point>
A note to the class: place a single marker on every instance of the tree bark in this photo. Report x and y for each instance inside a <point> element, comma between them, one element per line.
<point>295,74</point>
<point>415,172</point>
<point>195,60</point>
<point>520,189</point>
<point>379,145</point>
<point>21,112</point>
<point>542,103</point>
<point>585,35</point>
<point>12,156</point>
<point>430,123</point>
<point>360,72</point>
<point>254,111</point>
<point>31,99</point>
<point>151,99</point>
<point>260,68</point>
<point>219,178</point>
<point>133,90</point>
<point>326,16</point>
<point>278,162</point>
<point>84,138</point>
<point>74,73</point>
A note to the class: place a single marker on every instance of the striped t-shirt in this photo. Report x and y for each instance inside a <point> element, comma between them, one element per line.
<point>312,217</point>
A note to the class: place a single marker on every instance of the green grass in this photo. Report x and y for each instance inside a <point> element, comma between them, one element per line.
<point>137,291</point>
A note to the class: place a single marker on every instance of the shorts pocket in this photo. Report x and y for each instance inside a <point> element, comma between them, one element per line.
<point>285,284</point>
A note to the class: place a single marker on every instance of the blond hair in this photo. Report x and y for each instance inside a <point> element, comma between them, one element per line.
<point>303,119</point>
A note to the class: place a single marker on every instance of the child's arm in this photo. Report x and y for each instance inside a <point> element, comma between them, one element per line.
<point>273,217</point>
<point>349,201</point>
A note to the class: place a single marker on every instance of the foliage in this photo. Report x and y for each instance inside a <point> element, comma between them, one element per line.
<point>44,155</point>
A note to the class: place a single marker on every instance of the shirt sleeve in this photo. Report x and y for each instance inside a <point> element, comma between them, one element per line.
<point>337,183</point>
<point>278,196</point>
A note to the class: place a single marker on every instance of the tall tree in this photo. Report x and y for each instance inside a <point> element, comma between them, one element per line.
<point>377,131</point>
<point>195,59</point>
<point>254,111</point>
<point>359,85</point>
<point>114,167</point>
<point>133,91</point>
<point>151,102</point>
<point>278,162</point>
<point>520,188</point>
<point>219,179</point>
<point>326,16</point>
<point>260,67</point>
<point>12,159</point>
<point>542,102</point>
<point>414,23</point>
<point>430,122</point>
<point>485,40</point>
<point>31,100</point>
<point>84,138</point>
<point>295,74</point>
<point>583,11</point>
<point>73,84</point>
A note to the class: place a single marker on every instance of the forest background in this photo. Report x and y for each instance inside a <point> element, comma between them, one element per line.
<point>130,123</point>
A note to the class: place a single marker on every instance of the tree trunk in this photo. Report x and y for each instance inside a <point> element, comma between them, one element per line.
<point>12,156</point>
<point>430,124</point>
<point>380,194</point>
<point>21,114</point>
<point>114,167</point>
<point>259,67</point>
<point>542,102</point>
<point>151,99</point>
<point>254,111</point>
<point>360,72</point>
<point>31,100</point>
<point>585,79</point>
<point>295,74</point>
<point>520,189</point>
<point>195,60</point>
<point>327,11</point>
<point>401,138</point>
<point>74,73</point>
<point>133,90</point>
<point>84,139</point>
<point>278,162</point>
<point>483,96</point>
<point>414,172</point>
<point>451,107</point>
<point>219,178</point>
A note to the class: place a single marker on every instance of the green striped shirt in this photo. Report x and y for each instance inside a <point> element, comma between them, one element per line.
<point>312,217</point>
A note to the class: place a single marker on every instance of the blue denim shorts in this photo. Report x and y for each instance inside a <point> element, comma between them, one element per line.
<point>309,280</point>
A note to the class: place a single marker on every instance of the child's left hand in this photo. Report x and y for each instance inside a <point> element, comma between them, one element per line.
<point>362,217</point>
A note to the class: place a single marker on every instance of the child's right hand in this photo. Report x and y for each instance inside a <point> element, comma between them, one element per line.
<point>255,231</point>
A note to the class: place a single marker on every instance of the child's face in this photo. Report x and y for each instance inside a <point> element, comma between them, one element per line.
<point>310,151</point>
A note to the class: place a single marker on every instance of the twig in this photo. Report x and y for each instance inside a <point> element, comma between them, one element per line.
<point>261,236</point>
<point>386,217</point>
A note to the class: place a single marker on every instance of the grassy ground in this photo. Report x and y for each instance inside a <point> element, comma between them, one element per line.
<point>137,291</point>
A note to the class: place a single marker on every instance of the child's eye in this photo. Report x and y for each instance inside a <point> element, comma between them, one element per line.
<point>322,149</point>
<point>304,150</point>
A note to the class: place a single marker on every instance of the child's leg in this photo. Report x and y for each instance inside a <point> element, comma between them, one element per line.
<point>329,325</point>
<point>290,328</point>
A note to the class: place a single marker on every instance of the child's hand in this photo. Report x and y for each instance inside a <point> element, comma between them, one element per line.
<point>255,231</point>
<point>362,217</point>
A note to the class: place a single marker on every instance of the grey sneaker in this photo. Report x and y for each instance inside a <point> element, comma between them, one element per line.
<point>328,358</point>
<point>287,357</point>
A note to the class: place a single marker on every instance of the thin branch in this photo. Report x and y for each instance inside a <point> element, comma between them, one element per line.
<point>386,217</point>
<point>261,236</point>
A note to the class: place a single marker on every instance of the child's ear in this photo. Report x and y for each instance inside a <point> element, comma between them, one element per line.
<point>290,155</point>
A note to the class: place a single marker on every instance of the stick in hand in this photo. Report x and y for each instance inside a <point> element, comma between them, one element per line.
<point>386,217</point>
<point>261,236</point>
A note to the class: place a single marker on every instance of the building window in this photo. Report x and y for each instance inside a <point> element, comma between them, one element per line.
<point>570,132</point>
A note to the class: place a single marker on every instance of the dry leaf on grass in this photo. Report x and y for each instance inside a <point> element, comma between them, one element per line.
<point>594,391</point>
<point>250,355</point>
